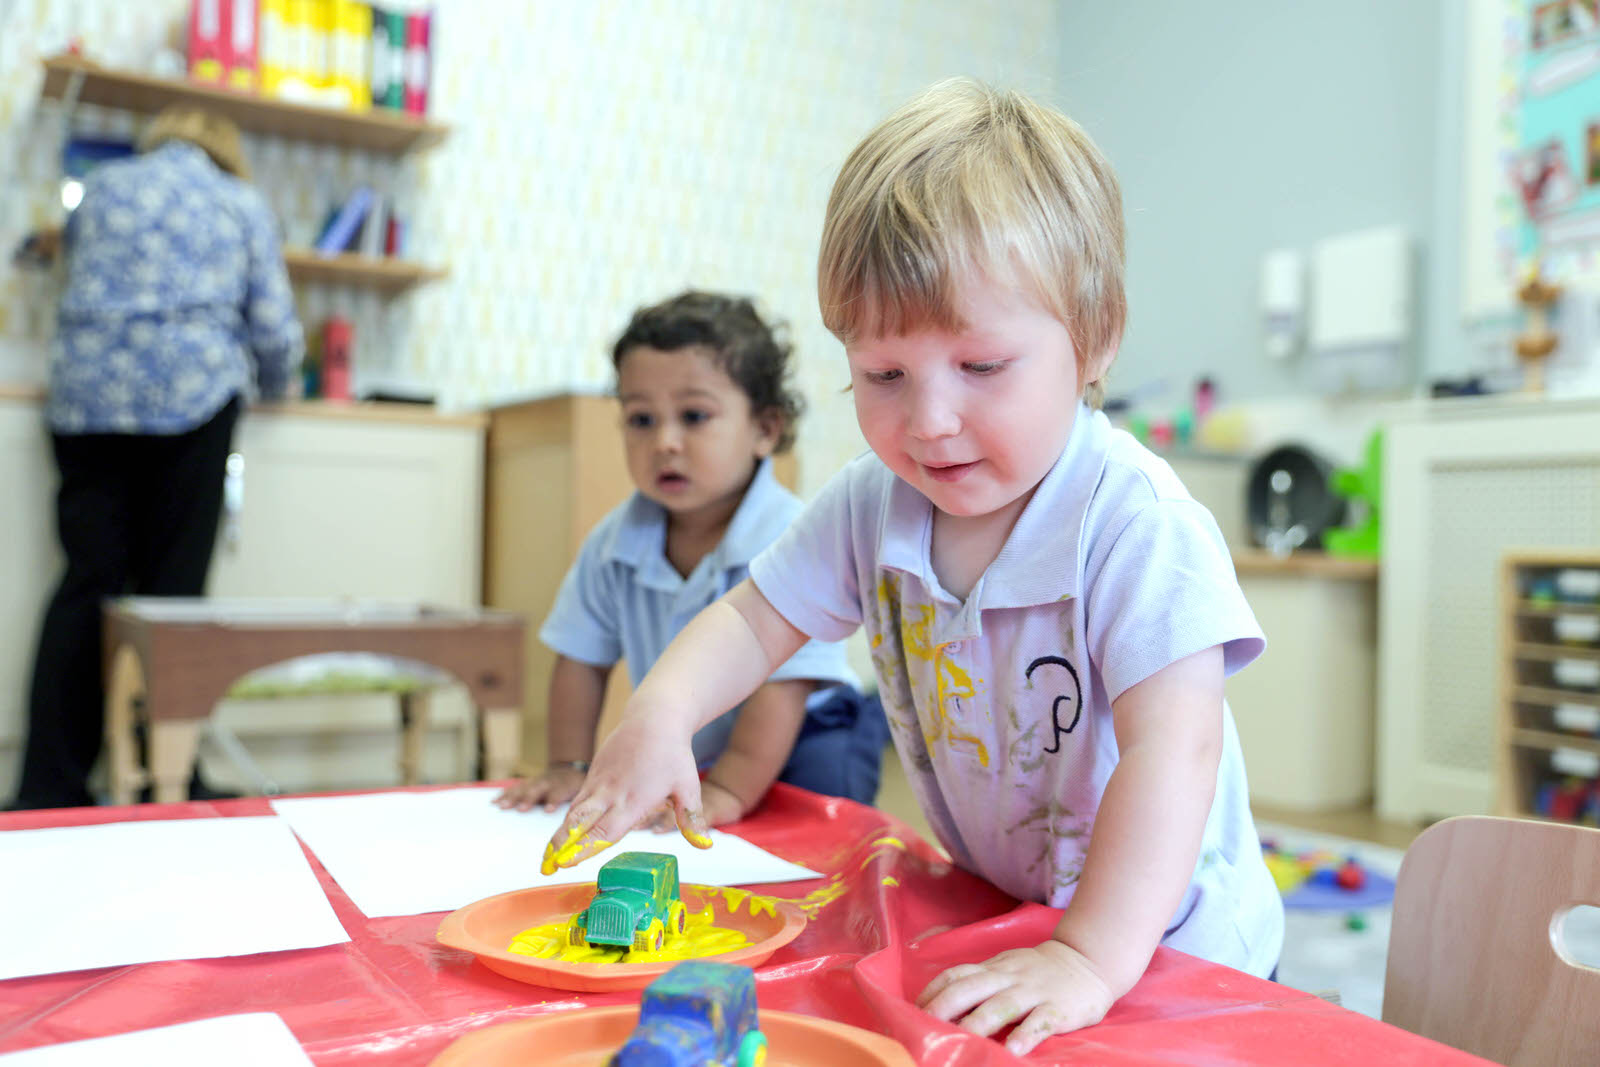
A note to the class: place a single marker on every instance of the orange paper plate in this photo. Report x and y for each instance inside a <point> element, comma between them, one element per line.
<point>589,1036</point>
<point>487,927</point>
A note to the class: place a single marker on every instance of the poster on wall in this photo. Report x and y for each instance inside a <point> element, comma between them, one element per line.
<point>1554,166</point>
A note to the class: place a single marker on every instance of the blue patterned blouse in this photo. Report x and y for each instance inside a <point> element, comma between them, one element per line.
<point>175,288</point>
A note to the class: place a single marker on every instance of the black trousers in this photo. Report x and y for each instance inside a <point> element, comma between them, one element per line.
<point>136,514</point>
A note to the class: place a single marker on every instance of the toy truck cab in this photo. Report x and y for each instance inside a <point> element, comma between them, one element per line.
<point>698,1013</point>
<point>636,902</point>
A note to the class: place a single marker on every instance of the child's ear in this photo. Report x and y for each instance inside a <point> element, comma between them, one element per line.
<point>1096,367</point>
<point>770,425</point>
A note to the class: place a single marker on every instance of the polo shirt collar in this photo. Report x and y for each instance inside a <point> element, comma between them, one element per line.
<point>748,535</point>
<point>1038,564</point>
<point>640,539</point>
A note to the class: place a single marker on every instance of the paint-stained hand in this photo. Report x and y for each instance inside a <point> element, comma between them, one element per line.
<point>1049,989</point>
<point>719,806</point>
<point>641,767</point>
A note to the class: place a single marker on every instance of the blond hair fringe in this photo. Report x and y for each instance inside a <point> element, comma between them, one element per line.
<point>965,181</point>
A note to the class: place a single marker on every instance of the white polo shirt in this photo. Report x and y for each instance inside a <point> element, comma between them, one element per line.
<point>623,599</point>
<point>1001,706</point>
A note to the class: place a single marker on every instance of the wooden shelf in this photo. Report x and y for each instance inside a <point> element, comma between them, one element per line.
<point>1304,564</point>
<point>1529,609</point>
<point>1550,740</point>
<point>377,130</point>
<point>1521,761</point>
<point>372,272</point>
<point>1547,653</point>
<point>389,275</point>
<point>1549,697</point>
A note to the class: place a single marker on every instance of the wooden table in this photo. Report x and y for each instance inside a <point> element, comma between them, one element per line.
<point>889,914</point>
<point>169,660</point>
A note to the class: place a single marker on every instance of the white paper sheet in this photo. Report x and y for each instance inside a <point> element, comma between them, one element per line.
<point>414,853</point>
<point>135,892</point>
<point>257,1040</point>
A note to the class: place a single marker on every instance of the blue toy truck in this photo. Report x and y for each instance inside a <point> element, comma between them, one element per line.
<point>636,902</point>
<point>699,1014</point>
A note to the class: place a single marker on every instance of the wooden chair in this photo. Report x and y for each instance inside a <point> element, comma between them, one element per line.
<point>1476,958</point>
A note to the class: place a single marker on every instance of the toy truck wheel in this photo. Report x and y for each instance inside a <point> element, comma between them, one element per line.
<point>652,938</point>
<point>574,936</point>
<point>677,917</point>
<point>753,1050</point>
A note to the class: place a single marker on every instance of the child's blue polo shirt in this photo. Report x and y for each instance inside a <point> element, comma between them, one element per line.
<point>622,599</point>
<point>1001,706</point>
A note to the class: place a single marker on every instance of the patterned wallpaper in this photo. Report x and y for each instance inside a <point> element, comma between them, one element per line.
<point>603,155</point>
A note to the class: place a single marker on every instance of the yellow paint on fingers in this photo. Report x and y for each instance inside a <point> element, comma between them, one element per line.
<point>577,841</point>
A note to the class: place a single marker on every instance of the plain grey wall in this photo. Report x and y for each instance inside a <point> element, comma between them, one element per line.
<point>1248,125</point>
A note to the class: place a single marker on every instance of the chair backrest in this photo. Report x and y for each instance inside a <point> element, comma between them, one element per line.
<point>1475,953</point>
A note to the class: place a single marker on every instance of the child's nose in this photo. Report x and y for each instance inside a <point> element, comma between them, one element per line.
<point>932,415</point>
<point>669,438</point>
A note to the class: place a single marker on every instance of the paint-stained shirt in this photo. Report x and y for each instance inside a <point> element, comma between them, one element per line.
<point>622,599</point>
<point>176,301</point>
<point>1001,705</point>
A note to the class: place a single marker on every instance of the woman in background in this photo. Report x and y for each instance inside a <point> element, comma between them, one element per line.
<point>176,301</point>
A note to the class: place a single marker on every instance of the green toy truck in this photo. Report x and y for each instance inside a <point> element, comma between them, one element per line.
<point>636,902</point>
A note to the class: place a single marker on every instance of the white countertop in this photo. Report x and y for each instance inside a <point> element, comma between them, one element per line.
<point>328,409</point>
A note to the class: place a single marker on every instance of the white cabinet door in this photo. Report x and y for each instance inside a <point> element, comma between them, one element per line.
<point>355,507</point>
<point>30,563</point>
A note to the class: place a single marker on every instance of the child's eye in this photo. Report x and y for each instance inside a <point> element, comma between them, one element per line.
<point>694,417</point>
<point>639,420</point>
<point>881,377</point>
<point>989,367</point>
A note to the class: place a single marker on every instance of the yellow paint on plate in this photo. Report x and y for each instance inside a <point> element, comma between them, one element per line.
<point>699,939</point>
<point>759,905</point>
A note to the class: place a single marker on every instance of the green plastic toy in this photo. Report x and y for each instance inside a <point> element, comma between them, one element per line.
<point>636,903</point>
<point>1362,485</point>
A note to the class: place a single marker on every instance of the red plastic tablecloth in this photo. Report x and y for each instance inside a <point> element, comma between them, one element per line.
<point>888,918</point>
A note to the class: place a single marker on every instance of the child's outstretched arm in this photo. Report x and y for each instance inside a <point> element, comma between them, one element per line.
<point>1140,860</point>
<point>720,658</point>
<point>577,695</point>
<point>762,738</point>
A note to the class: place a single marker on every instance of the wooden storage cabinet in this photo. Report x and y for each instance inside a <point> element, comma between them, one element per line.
<point>1549,727</point>
<point>553,468</point>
